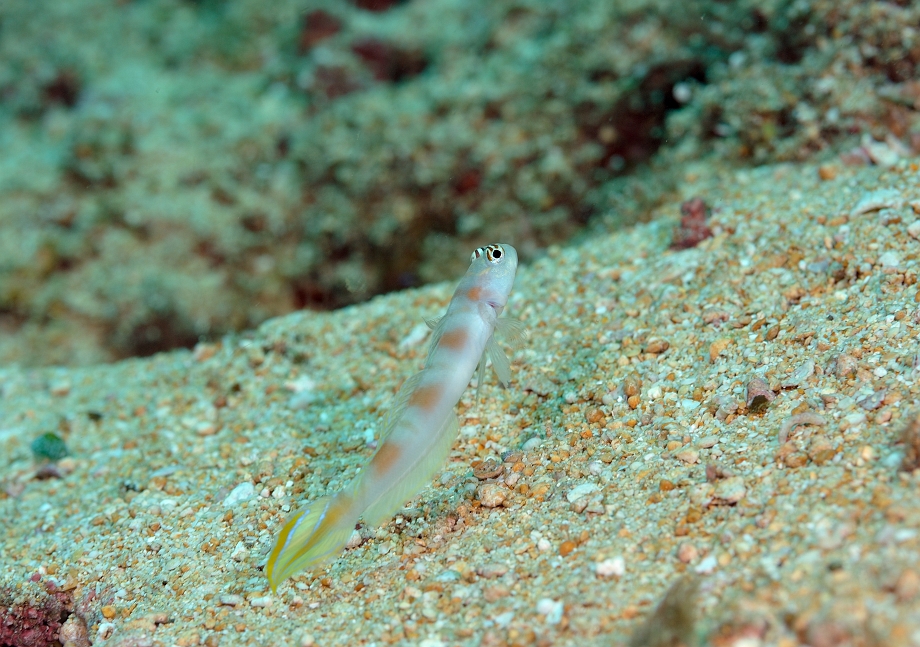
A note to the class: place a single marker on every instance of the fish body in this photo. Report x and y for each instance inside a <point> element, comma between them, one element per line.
<point>421,426</point>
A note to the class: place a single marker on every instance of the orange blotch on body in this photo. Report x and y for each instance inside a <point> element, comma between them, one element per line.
<point>454,339</point>
<point>474,293</point>
<point>385,457</point>
<point>425,397</point>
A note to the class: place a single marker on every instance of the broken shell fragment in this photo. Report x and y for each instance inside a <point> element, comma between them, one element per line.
<point>759,395</point>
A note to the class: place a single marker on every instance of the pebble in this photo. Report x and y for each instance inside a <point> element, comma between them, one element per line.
<point>491,571</point>
<point>846,365</point>
<point>261,601</point>
<point>531,444</point>
<point>820,450</point>
<point>881,153</point>
<point>708,441</point>
<point>354,540</point>
<point>907,586</point>
<point>613,567</point>
<point>730,490</point>
<point>487,469</point>
<point>230,599</point>
<point>74,633</point>
<point>878,199</point>
<point>708,565</point>
<point>802,373</point>
<point>551,609</point>
<point>566,547</point>
<point>716,348</point>
<point>415,336</point>
<point>689,456</point>
<point>450,575</point>
<point>872,401</point>
<point>913,229</point>
<point>687,552</point>
<point>701,494</point>
<point>582,490</point>
<point>242,492</point>
<point>491,495</point>
<point>889,259</point>
<point>495,593</point>
<point>239,552</point>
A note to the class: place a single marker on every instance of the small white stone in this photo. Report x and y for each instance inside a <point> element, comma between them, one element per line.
<point>531,444</point>
<point>432,642</point>
<point>875,200</point>
<point>242,492</point>
<point>415,337</point>
<point>889,259</point>
<point>731,490</point>
<point>543,545</point>
<point>552,609</point>
<point>802,373</point>
<point>581,490</point>
<point>614,567</point>
<point>708,565</point>
<point>913,229</point>
<point>239,552</point>
<point>504,619</point>
<point>261,601</point>
<point>230,599</point>
<point>354,540</point>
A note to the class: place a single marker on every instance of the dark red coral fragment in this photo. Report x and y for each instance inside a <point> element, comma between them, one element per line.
<point>388,62</point>
<point>34,620</point>
<point>693,228</point>
<point>316,27</point>
<point>376,6</point>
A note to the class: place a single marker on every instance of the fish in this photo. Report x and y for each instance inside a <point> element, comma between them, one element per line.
<point>421,425</point>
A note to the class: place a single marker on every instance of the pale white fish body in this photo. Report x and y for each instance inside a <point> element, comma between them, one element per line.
<point>420,428</point>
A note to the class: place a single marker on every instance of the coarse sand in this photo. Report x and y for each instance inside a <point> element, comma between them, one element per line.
<point>637,449</point>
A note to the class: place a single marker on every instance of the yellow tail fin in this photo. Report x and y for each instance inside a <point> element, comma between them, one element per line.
<point>310,536</point>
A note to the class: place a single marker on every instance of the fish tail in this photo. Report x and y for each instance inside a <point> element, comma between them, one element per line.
<point>311,536</point>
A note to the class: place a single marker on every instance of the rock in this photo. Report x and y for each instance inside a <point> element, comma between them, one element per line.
<point>730,490</point>
<point>491,495</point>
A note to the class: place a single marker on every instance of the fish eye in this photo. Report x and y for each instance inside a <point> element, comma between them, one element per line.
<point>494,253</point>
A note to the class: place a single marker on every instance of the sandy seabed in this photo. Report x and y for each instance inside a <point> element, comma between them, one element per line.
<point>639,444</point>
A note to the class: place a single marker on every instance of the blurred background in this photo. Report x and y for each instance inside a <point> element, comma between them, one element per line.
<point>172,170</point>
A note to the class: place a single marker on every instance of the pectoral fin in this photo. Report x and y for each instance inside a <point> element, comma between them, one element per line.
<point>500,363</point>
<point>511,331</point>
